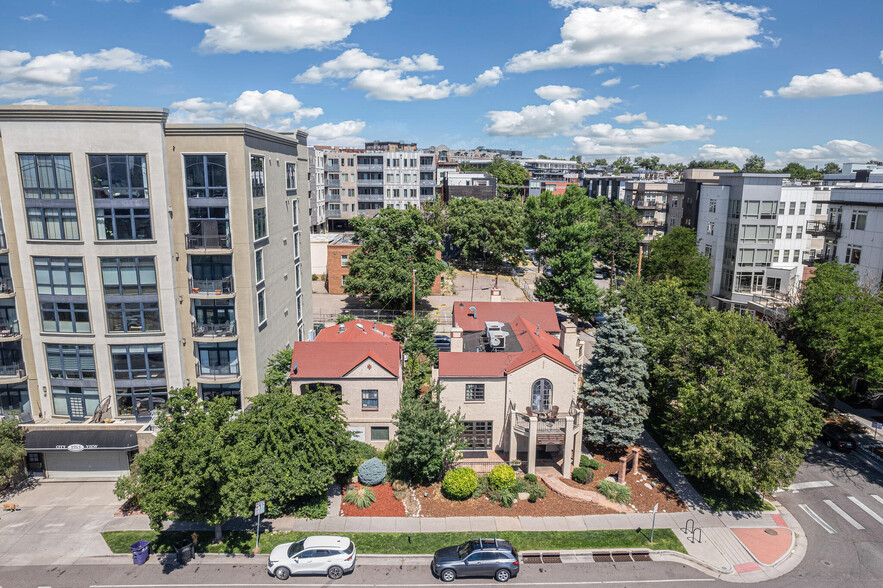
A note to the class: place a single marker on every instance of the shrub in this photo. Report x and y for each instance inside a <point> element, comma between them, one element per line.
<point>531,478</point>
<point>502,477</point>
<point>372,472</point>
<point>311,507</point>
<point>361,497</point>
<point>387,451</point>
<point>399,485</point>
<point>535,491</point>
<point>364,452</point>
<point>503,496</point>
<point>590,475</point>
<point>483,487</point>
<point>615,492</point>
<point>586,462</point>
<point>580,475</point>
<point>459,484</point>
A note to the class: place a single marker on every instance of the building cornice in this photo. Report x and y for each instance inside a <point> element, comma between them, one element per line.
<point>294,139</point>
<point>112,114</point>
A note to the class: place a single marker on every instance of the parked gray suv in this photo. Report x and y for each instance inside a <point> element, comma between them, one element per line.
<point>478,558</point>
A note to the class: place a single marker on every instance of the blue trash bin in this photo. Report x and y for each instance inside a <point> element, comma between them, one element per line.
<point>140,551</point>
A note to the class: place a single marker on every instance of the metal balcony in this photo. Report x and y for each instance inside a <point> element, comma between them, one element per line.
<point>370,183</point>
<point>209,242</point>
<point>221,287</point>
<point>228,372</point>
<point>333,214</point>
<point>6,288</point>
<point>9,329</point>
<point>427,168</point>
<point>427,183</point>
<point>370,167</point>
<point>824,229</point>
<point>214,330</point>
<point>332,198</point>
<point>14,371</point>
<point>332,183</point>
<point>332,167</point>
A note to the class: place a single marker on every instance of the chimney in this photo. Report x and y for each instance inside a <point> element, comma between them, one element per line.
<point>457,339</point>
<point>496,295</point>
<point>569,342</point>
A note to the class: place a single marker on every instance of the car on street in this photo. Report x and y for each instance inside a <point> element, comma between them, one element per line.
<point>477,558</point>
<point>599,318</point>
<point>317,555</point>
<point>836,437</point>
<point>599,275</point>
<point>442,342</point>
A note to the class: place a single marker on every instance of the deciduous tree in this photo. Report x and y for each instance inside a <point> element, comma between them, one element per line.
<point>617,234</point>
<point>487,231</point>
<point>831,168</point>
<point>675,255</point>
<point>512,175</point>
<point>755,164</point>
<point>12,450</point>
<point>278,371</point>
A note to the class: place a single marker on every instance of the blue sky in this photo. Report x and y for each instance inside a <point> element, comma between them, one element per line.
<point>786,79</point>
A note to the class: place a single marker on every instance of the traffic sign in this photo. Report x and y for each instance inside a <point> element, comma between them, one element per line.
<point>260,507</point>
<point>877,425</point>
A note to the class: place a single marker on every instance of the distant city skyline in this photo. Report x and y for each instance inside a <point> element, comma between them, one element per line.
<point>795,80</point>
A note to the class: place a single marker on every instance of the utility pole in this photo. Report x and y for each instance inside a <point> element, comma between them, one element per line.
<point>613,271</point>
<point>640,257</point>
<point>472,295</point>
<point>414,293</point>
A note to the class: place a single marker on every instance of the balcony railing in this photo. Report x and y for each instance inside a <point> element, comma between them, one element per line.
<point>427,183</point>
<point>217,371</point>
<point>332,198</point>
<point>209,242</point>
<point>9,328</point>
<point>816,260</point>
<point>427,168</point>
<point>12,370</point>
<point>219,287</point>
<point>824,229</point>
<point>227,329</point>
<point>370,167</point>
<point>370,197</point>
<point>371,183</point>
<point>332,167</point>
<point>332,183</point>
<point>6,286</point>
<point>648,222</point>
<point>333,213</point>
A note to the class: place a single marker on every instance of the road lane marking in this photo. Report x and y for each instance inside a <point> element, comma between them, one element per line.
<point>435,584</point>
<point>843,514</point>
<point>817,518</point>
<point>807,485</point>
<point>870,512</point>
<point>877,498</point>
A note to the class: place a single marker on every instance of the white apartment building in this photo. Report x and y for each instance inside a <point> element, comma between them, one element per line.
<point>316,175</point>
<point>753,228</point>
<point>853,230</point>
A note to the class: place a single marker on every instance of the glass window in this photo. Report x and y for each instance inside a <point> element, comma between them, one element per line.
<point>53,223</point>
<point>300,306</point>
<point>257,177</point>
<point>14,398</point>
<point>297,277</point>
<point>369,400</point>
<point>74,401</point>
<point>296,246</point>
<point>133,317</point>
<point>799,233</point>
<point>818,208</point>
<point>48,177</point>
<point>262,307</point>
<point>474,392</point>
<point>140,401</point>
<point>802,208</point>
<point>291,176</point>
<point>765,234</point>
<point>259,266</point>
<point>478,434</point>
<point>792,207</point>
<point>64,317</point>
<point>746,256</point>
<point>137,362</point>
<point>788,231</point>
<point>859,221</point>
<point>752,208</point>
<point>778,232</point>
<point>121,224</point>
<point>380,433</point>
<point>118,176</point>
<point>260,223</point>
<point>131,294</point>
<point>71,362</point>
<point>853,255</point>
<point>343,260</point>
<point>712,206</point>
<point>781,208</point>
<point>776,256</point>
<point>128,276</point>
<point>541,395</point>
<point>60,276</point>
<point>768,209</point>
<point>205,176</point>
<point>218,359</point>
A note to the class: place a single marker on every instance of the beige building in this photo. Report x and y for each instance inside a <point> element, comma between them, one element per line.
<point>139,257</point>
<point>652,200</point>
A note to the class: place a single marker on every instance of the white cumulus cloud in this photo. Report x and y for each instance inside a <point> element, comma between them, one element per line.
<point>605,139</point>
<point>737,155</point>
<point>611,82</point>
<point>717,118</point>
<point>271,109</point>
<point>35,16</point>
<point>629,118</point>
<point>352,61</point>
<point>342,134</point>
<point>838,150</point>
<point>646,32</point>
<point>553,92</point>
<point>561,116</point>
<point>395,86</point>
<point>277,25</point>
<point>831,83</point>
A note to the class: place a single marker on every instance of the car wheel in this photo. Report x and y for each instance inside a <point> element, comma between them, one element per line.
<point>502,575</point>
<point>447,575</point>
<point>335,572</point>
<point>828,443</point>
<point>282,573</point>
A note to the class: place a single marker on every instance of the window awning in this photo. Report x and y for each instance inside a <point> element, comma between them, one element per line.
<point>85,440</point>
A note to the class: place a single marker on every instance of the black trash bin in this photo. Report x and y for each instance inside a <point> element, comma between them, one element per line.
<point>184,551</point>
<point>140,551</point>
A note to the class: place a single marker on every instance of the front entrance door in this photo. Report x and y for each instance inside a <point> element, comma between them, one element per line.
<point>478,434</point>
<point>76,405</point>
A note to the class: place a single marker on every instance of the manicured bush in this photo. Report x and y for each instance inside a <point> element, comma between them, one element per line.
<point>372,472</point>
<point>311,507</point>
<point>503,496</point>
<point>364,451</point>
<point>590,475</point>
<point>531,478</point>
<point>483,487</point>
<point>459,484</point>
<point>502,477</point>
<point>361,497</point>
<point>615,492</point>
<point>580,475</point>
<point>586,462</point>
<point>535,491</point>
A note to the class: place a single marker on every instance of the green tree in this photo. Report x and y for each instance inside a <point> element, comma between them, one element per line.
<point>487,231</point>
<point>798,172</point>
<point>755,164</point>
<point>651,163</point>
<point>831,168</point>
<point>512,175</point>
<point>393,244</point>
<point>12,451</point>
<point>285,449</point>
<point>838,326</point>
<point>184,472</point>
<point>614,395</point>
<point>599,162</point>
<point>418,344</point>
<point>561,228</point>
<point>715,164</point>
<point>618,234</point>
<point>675,255</point>
<point>278,372</point>
<point>344,317</point>
<point>427,437</point>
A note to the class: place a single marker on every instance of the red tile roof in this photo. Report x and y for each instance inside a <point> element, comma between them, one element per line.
<point>497,364</point>
<point>335,352</point>
<point>539,313</point>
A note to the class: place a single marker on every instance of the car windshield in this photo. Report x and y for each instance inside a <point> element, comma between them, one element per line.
<point>296,548</point>
<point>465,549</point>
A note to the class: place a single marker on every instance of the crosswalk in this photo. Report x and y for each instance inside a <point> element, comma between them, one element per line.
<point>821,518</point>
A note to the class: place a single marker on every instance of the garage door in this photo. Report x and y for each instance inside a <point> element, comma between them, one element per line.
<point>86,464</point>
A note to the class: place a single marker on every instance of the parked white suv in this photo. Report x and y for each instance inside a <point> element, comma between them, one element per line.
<point>319,554</point>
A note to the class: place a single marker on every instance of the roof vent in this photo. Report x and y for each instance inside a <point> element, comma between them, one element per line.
<point>341,328</point>
<point>474,312</point>
<point>360,326</point>
<point>538,330</point>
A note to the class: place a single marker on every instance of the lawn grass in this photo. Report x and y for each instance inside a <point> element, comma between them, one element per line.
<point>405,543</point>
<point>719,499</point>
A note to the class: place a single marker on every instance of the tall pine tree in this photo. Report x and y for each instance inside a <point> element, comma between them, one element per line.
<point>614,395</point>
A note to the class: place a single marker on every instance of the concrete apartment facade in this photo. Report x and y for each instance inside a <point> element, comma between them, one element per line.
<point>652,200</point>
<point>316,175</point>
<point>553,175</point>
<point>340,186</point>
<point>116,234</point>
<point>853,230</point>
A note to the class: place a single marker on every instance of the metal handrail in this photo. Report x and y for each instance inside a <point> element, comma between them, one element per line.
<point>225,329</point>
<point>221,286</point>
<point>8,328</point>
<point>208,241</point>
<point>14,369</point>
<point>6,286</point>
<point>217,370</point>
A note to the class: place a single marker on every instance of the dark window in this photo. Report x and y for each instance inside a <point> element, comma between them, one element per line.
<point>478,434</point>
<point>131,298</point>
<point>474,392</point>
<point>118,176</point>
<point>64,317</point>
<point>218,359</point>
<point>260,223</point>
<point>380,433</point>
<point>137,362</point>
<point>71,362</point>
<point>369,399</point>
<point>60,276</point>
<point>14,398</point>
<point>206,176</point>
<point>123,224</point>
<point>257,176</point>
<point>47,177</point>
<point>291,176</point>
<point>140,401</point>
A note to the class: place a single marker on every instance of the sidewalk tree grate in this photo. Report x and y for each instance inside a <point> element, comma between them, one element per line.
<point>641,556</point>
<point>602,557</point>
<point>543,558</point>
<point>622,556</point>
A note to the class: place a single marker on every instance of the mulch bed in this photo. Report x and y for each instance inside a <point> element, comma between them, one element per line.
<point>436,505</point>
<point>386,504</point>
<point>643,498</point>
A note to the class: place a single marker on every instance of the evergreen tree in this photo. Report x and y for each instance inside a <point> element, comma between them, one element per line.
<point>614,395</point>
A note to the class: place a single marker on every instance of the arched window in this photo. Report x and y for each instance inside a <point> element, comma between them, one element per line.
<point>541,395</point>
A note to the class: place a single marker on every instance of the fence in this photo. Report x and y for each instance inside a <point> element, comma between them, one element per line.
<point>483,467</point>
<point>442,317</point>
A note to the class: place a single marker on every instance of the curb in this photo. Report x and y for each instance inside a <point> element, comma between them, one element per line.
<point>691,561</point>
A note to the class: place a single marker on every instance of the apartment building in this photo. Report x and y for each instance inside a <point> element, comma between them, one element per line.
<point>140,257</point>
<point>317,195</point>
<point>479,157</point>
<point>683,211</point>
<point>479,185</point>
<point>653,200</point>
<point>752,227</point>
<point>553,175</point>
<point>340,186</point>
<point>607,186</point>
